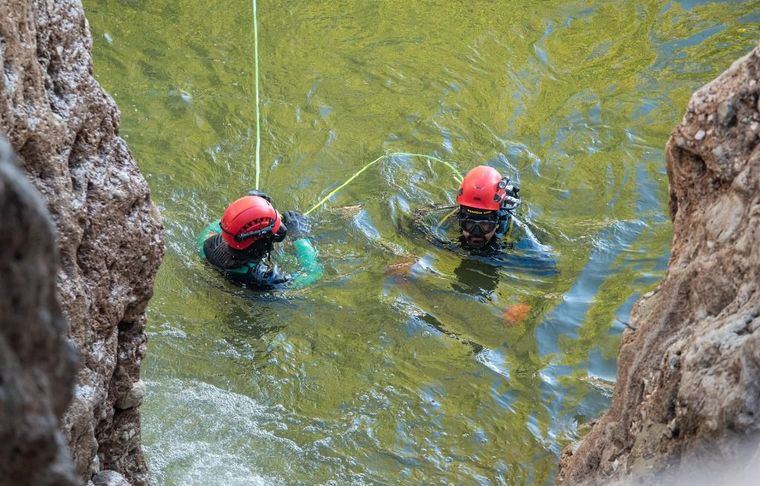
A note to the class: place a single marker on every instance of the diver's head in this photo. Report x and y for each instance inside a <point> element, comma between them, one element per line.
<point>251,222</point>
<point>480,200</point>
<point>478,226</point>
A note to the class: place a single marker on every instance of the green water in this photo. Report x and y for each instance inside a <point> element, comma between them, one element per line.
<point>371,376</point>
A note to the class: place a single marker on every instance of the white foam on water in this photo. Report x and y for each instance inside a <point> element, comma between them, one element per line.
<point>201,464</point>
<point>211,436</point>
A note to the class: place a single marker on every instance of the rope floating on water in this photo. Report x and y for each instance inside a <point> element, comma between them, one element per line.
<point>457,174</point>
<point>256,76</point>
<point>448,215</point>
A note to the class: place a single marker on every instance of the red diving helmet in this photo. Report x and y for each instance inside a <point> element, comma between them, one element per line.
<point>247,220</point>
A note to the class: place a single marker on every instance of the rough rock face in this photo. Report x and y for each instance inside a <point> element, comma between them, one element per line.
<point>64,128</point>
<point>37,363</point>
<point>688,385</point>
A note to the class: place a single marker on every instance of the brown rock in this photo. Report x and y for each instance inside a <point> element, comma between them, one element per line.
<point>37,363</point>
<point>110,242</point>
<point>688,386</point>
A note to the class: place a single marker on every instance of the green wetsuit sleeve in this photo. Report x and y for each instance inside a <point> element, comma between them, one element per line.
<point>311,269</point>
<point>210,230</point>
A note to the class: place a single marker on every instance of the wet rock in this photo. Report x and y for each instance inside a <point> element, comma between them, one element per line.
<point>37,363</point>
<point>687,396</point>
<point>109,478</point>
<point>64,128</point>
<point>133,398</point>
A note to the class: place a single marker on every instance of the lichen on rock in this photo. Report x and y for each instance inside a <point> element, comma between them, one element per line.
<point>687,390</point>
<point>110,240</point>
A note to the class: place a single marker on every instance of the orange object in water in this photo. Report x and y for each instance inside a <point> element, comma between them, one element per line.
<point>400,269</point>
<point>516,313</point>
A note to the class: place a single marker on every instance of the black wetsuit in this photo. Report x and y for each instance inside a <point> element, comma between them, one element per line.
<point>241,267</point>
<point>513,245</point>
<point>253,268</point>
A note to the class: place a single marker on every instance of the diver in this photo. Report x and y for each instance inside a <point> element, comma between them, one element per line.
<point>239,245</point>
<point>487,202</point>
<point>487,230</point>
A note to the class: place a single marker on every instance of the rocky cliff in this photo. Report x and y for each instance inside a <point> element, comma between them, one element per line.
<point>65,130</point>
<point>688,379</point>
<point>37,363</point>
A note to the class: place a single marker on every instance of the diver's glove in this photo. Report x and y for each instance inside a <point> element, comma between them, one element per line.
<point>511,200</point>
<point>298,224</point>
<point>256,192</point>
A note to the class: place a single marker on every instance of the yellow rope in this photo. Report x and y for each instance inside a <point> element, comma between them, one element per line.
<point>256,76</point>
<point>457,175</point>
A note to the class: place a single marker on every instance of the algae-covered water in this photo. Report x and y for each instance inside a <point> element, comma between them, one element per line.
<point>401,365</point>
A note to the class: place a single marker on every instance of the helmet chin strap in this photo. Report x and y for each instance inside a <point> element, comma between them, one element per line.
<point>281,233</point>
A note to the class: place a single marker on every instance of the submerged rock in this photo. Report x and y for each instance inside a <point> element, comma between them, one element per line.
<point>110,243</point>
<point>687,396</point>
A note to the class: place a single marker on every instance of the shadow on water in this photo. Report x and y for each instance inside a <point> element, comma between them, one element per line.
<point>476,278</point>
